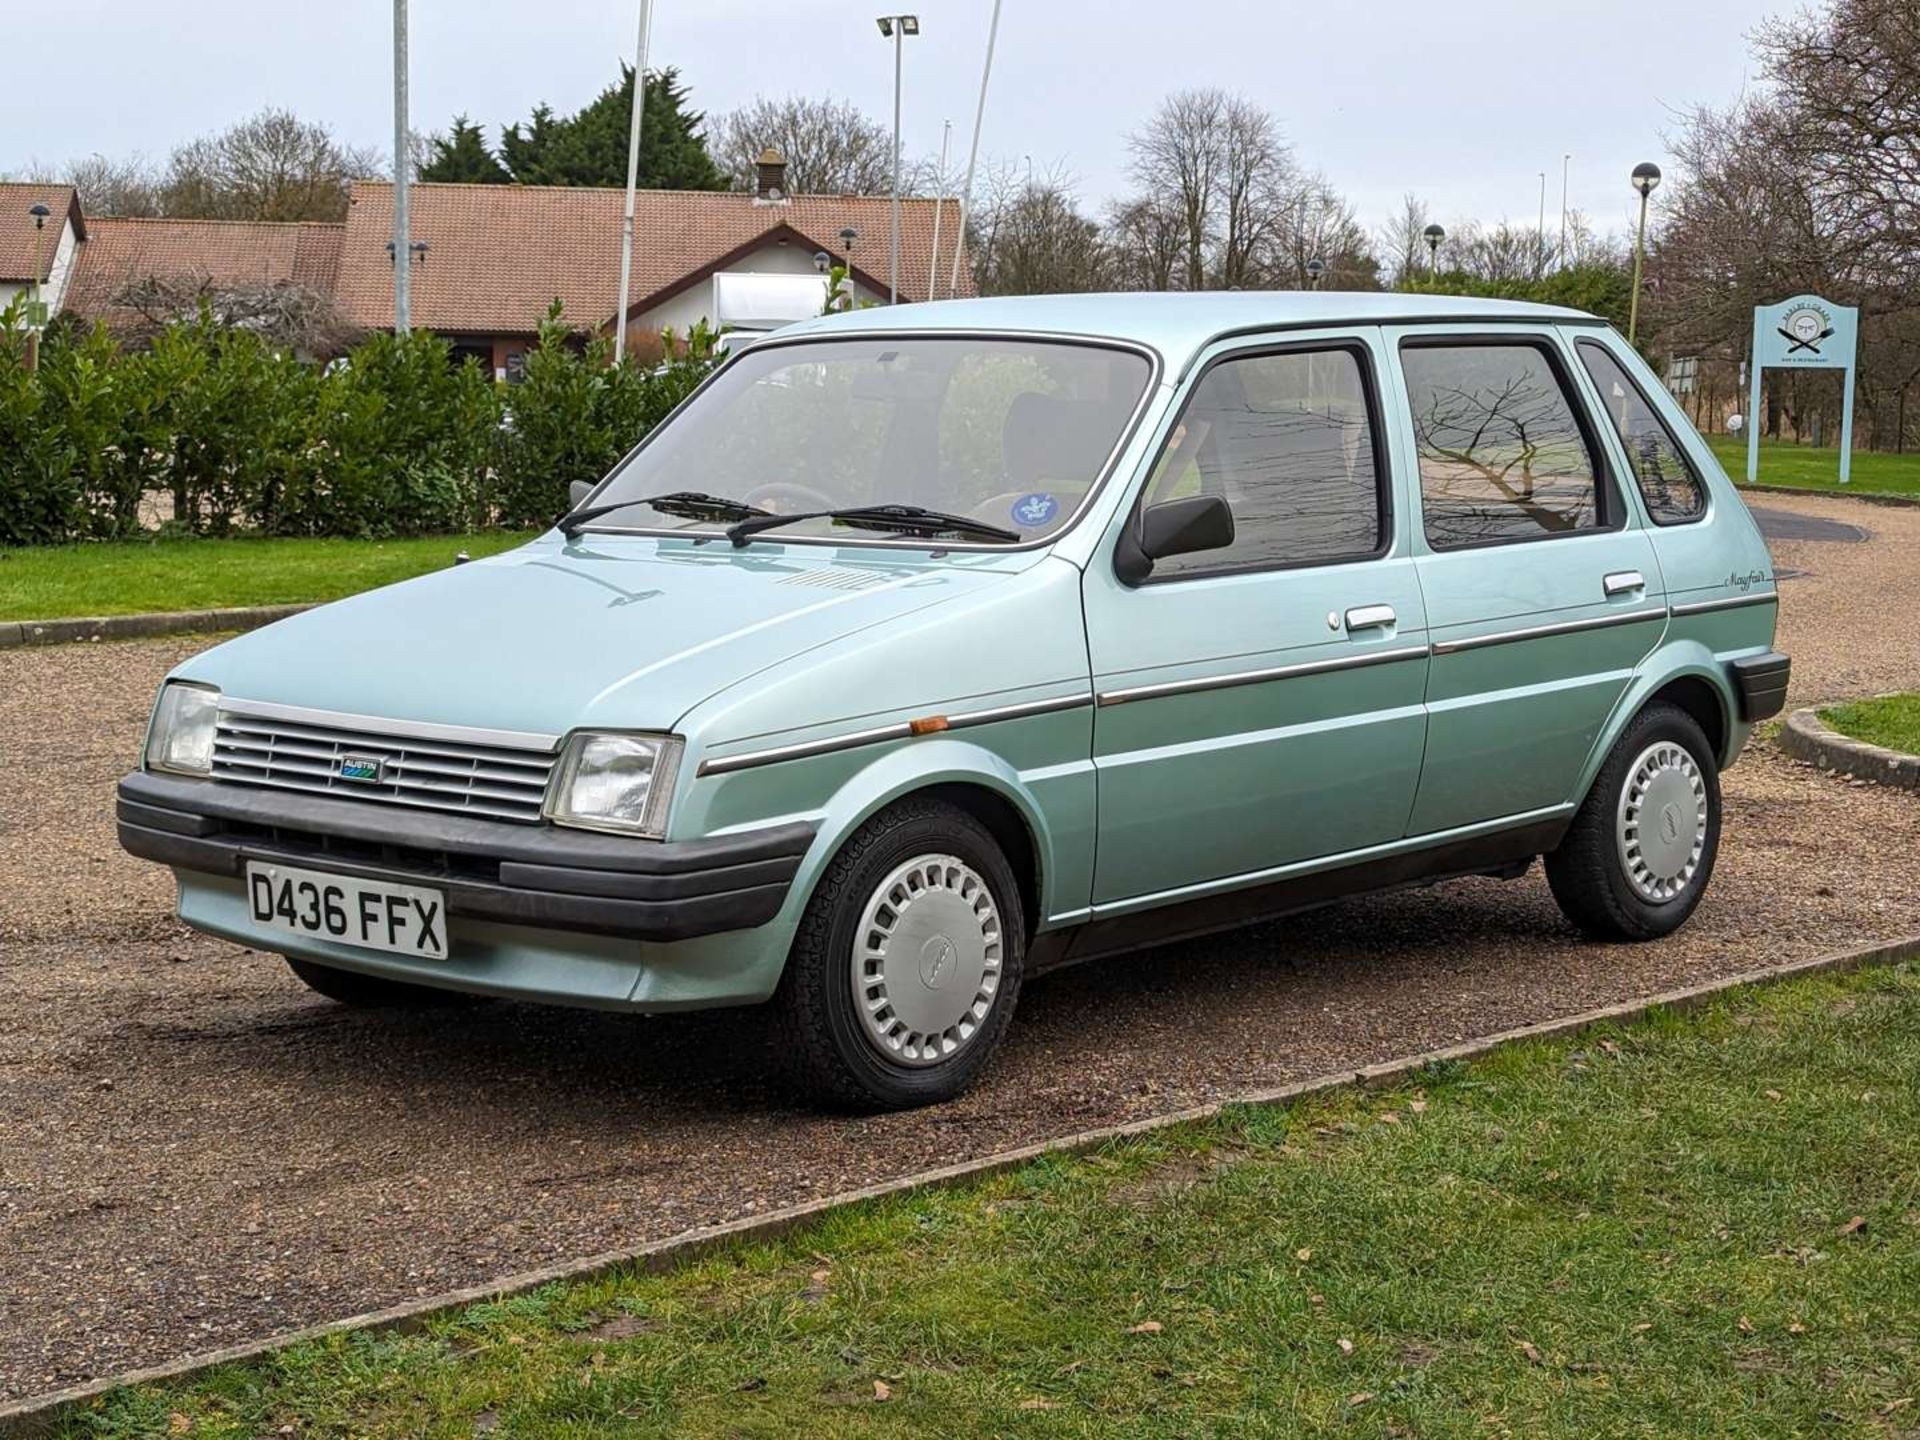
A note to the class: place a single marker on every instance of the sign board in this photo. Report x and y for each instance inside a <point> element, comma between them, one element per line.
<point>1804,333</point>
<point>1683,375</point>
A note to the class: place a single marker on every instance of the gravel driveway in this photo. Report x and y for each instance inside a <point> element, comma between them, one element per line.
<point>195,1151</point>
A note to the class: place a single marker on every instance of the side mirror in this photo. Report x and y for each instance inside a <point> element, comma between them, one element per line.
<point>1173,527</point>
<point>577,493</point>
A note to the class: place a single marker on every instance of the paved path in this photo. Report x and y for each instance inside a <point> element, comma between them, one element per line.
<point>1778,525</point>
<point>195,1151</point>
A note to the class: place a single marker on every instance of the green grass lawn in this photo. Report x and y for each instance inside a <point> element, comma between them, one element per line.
<point>1805,468</point>
<point>1889,720</point>
<point>131,577</point>
<point>1701,1225</point>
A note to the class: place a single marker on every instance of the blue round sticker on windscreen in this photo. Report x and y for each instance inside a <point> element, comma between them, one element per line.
<point>1030,511</point>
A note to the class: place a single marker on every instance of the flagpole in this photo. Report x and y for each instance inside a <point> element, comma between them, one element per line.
<point>973,151</point>
<point>633,179</point>
<point>939,190</point>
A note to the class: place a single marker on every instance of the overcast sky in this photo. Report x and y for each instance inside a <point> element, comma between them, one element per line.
<point>1463,102</point>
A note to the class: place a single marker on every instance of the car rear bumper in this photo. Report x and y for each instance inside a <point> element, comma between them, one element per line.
<point>536,876</point>
<point>1760,681</point>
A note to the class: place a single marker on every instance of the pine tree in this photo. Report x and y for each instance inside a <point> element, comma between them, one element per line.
<point>590,147</point>
<point>462,155</point>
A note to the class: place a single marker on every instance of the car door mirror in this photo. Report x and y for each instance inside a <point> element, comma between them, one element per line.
<point>1173,527</point>
<point>578,492</point>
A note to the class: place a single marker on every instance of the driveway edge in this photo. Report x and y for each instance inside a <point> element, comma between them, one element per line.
<point>15,634</point>
<point>39,1415</point>
<point>1872,497</point>
<point>1807,737</point>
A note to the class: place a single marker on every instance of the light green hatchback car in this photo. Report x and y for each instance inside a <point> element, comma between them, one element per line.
<point>924,649</point>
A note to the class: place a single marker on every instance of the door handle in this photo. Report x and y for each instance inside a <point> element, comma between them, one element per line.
<point>1624,582</point>
<point>1370,617</point>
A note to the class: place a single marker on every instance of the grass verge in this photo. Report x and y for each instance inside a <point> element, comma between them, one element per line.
<point>1700,1224</point>
<point>137,576</point>
<point>1805,468</point>
<point>1889,720</point>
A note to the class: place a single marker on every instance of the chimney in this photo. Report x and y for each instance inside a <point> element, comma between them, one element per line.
<point>770,178</point>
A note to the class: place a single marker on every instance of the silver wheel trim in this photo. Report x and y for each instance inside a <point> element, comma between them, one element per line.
<point>927,960</point>
<point>1660,826</point>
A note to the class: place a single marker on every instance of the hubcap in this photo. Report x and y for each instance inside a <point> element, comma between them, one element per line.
<point>926,960</point>
<point>1662,823</point>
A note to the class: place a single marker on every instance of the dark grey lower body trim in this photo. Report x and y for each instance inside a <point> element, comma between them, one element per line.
<point>492,870</point>
<point>1500,852</point>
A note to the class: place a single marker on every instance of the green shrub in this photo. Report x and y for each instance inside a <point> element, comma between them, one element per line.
<point>575,414</point>
<point>394,439</point>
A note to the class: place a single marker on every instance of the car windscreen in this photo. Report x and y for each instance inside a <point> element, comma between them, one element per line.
<point>1007,431</point>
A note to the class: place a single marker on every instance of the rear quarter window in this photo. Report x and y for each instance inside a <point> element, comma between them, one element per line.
<point>1668,482</point>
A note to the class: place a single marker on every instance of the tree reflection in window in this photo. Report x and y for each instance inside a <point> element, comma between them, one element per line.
<point>1501,454</point>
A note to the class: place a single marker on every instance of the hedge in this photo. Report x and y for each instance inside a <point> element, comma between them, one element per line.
<point>391,439</point>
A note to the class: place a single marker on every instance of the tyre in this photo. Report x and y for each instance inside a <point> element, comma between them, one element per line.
<point>907,964</point>
<point>1640,851</point>
<point>371,992</point>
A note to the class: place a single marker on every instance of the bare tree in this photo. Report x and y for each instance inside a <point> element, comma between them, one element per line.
<point>1403,241</point>
<point>831,146</point>
<point>272,166</point>
<point>1177,158</point>
<point>286,315</point>
<point>1146,244</point>
<point>1318,224</point>
<point>115,187</point>
<point>1031,238</point>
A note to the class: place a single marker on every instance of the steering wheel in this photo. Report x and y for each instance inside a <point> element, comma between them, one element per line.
<point>785,497</point>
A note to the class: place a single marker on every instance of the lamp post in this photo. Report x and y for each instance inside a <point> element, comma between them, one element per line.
<point>402,176</point>
<point>1316,267</point>
<point>1646,175</point>
<point>896,28</point>
<point>1433,235</point>
<point>39,212</point>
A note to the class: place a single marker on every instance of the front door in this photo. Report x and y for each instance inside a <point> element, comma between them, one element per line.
<point>1542,590</point>
<point>1261,704</point>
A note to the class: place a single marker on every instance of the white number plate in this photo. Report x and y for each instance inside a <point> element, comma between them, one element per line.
<point>404,919</point>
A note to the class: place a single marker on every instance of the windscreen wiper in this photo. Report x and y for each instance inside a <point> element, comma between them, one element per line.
<point>682,504</point>
<point>901,519</point>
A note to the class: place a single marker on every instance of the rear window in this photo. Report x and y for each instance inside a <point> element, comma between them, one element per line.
<point>1503,456</point>
<point>1666,478</point>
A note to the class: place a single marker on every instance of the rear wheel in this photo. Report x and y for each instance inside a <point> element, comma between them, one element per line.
<point>1638,856</point>
<point>907,963</point>
<point>372,992</point>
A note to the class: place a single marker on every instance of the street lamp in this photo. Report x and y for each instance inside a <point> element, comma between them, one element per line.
<point>896,28</point>
<point>1316,267</point>
<point>1646,175</point>
<point>1433,235</point>
<point>35,318</point>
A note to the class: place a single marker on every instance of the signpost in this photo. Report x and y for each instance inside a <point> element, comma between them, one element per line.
<point>1804,333</point>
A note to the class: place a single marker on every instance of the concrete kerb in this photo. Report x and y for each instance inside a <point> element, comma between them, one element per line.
<point>39,1415</point>
<point>1807,737</point>
<point>1871,497</point>
<point>17,633</point>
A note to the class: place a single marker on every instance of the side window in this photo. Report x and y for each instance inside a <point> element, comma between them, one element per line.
<point>1502,453</point>
<point>1673,491</point>
<point>1287,440</point>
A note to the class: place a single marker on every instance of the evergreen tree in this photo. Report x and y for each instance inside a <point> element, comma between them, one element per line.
<point>590,147</point>
<point>462,155</point>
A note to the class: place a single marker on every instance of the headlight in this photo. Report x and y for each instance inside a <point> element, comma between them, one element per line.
<point>180,740</point>
<point>612,781</point>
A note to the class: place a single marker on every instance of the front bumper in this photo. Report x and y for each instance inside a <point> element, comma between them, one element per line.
<point>537,876</point>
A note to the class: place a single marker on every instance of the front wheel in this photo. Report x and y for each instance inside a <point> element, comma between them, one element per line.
<point>907,963</point>
<point>1640,851</point>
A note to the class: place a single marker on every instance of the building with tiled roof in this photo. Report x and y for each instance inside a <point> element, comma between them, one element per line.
<point>491,259</point>
<point>40,254</point>
<point>121,253</point>
<point>497,256</point>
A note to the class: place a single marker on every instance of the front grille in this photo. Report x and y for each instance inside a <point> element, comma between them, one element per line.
<point>489,780</point>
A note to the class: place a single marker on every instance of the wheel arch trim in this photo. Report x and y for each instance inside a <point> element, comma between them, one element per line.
<point>1673,661</point>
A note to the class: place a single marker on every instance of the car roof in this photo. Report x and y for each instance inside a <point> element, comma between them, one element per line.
<point>1178,324</point>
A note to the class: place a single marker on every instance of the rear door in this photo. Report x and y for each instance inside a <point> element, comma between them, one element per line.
<point>1541,585</point>
<point>1262,704</point>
